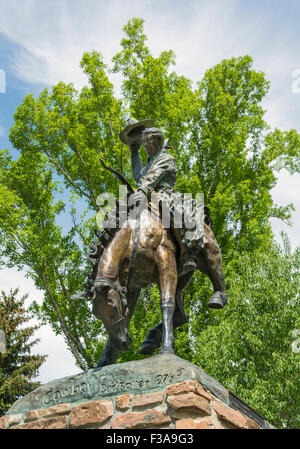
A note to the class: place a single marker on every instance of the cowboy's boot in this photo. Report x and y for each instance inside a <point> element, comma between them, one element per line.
<point>84,294</point>
<point>188,263</point>
<point>87,291</point>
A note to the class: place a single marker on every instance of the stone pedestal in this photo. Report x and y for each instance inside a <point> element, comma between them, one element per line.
<point>160,392</point>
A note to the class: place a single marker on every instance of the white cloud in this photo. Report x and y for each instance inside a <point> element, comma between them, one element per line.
<point>52,36</point>
<point>60,362</point>
<point>285,192</point>
<point>12,279</point>
<point>2,131</point>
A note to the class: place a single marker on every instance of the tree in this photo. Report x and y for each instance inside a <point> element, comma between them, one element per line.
<point>250,348</point>
<point>17,365</point>
<point>222,146</point>
<point>31,237</point>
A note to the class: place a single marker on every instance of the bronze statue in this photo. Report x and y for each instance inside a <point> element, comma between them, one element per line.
<point>142,251</point>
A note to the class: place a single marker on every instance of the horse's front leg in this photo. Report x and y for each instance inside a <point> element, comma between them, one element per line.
<point>154,336</point>
<point>166,264</point>
<point>109,356</point>
<point>132,298</point>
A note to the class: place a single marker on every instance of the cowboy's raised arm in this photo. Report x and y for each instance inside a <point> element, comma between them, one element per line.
<point>136,163</point>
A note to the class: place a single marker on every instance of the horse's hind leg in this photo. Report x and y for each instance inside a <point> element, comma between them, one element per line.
<point>180,317</point>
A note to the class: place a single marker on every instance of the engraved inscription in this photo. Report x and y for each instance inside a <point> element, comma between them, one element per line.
<point>167,378</point>
<point>67,394</point>
<point>141,383</point>
<point>107,385</point>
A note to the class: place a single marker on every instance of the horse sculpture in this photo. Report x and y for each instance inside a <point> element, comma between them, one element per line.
<point>154,251</point>
<point>142,250</point>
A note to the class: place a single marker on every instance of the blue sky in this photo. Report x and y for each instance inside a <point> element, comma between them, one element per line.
<point>41,43</point>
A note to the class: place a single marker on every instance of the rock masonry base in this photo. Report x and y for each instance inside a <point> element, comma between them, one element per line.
<point>160,392</point>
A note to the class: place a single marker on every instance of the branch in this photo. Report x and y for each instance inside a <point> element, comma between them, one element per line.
<point>103,113</point>
<point>81,235</point>
<point>58,165</point>
<point>67,296</point>
<point>68,334</point>
<point>75,148</point>
<point>77,352</point>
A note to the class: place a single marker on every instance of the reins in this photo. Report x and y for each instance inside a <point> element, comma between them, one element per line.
<point>122,291</point>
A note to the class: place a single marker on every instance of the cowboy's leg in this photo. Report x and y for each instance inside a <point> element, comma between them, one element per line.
<point>212,256</point>
<point>208,260</point>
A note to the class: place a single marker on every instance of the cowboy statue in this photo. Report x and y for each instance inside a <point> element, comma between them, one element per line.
<point>196,245</point>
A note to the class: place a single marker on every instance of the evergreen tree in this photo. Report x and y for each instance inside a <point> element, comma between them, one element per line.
<point>17,365</point>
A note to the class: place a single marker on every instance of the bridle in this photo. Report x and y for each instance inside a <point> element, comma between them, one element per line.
<point>122,291</point>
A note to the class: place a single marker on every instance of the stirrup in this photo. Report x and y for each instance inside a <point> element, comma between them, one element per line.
<point>148,348</point>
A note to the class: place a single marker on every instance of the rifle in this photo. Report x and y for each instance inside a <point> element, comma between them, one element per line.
<point>119,176</point>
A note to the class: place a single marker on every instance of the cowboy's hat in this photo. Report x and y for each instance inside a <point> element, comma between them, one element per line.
<point>132,132</point>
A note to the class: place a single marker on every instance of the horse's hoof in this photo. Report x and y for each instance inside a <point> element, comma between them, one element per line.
<point>148,348</point>
<point>218,300</point>
<point>152,341</point>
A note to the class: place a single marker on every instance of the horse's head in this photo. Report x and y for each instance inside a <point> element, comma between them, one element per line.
<point>110,306</point>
